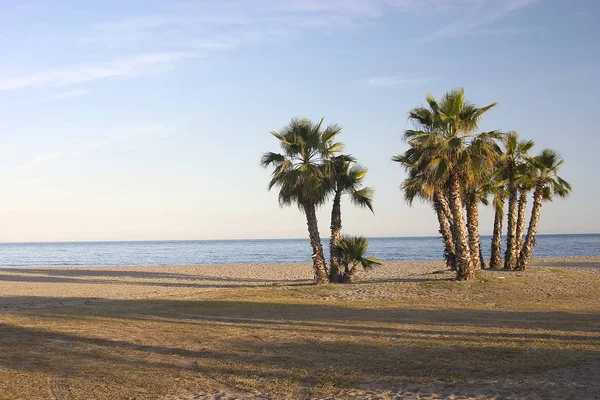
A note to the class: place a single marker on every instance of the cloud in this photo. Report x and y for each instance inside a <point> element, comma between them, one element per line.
<point>67,94</point>
<point>150,131</point>
<point>164,36</point>
<point>480,14</point>
<point>167,35</point>
<point>43,158</point>
<point>124,68</point>
<point>210,25</point>
<point>398,81</point>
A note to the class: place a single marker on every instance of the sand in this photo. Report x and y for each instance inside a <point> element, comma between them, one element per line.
<point>61,287</point>
<point>29,287</point>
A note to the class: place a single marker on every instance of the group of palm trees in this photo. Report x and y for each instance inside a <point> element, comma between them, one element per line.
<point>454,167</point>
<point>310,170</point>
<point>449,163</point>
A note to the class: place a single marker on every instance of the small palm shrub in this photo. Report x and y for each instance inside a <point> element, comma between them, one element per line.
<point>353,255</point>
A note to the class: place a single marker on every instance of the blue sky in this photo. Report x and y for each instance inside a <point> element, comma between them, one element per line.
<point>146,120</point>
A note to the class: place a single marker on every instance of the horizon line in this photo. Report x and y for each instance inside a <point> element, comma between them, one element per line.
<point>255,239</point>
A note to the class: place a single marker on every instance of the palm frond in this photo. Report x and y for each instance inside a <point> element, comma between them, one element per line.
<point>363,198</point>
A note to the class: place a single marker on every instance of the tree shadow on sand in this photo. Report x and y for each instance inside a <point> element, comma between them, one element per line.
<point>123,272</point>
<point>305,344</point>
<point>202,281</point>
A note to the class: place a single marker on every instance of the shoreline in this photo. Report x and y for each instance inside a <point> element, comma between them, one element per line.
<point>536,262</point>
<point>489,235</point>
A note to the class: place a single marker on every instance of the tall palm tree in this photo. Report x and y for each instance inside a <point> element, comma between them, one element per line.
<point>515,153</point>
<point>547,183</point>
<point>347,178</point>
<point>353,253</point>
<point>301,174</point>
<point>444,131</point>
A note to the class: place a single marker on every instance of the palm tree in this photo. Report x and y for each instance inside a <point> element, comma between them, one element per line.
<point>415,186</point>
<point>444,214</point>
<point>444,132</point>
<point>301,174</point>
<point>515,153</point>
<point>498,190</point>
<point>352,254</point>
<point>483,154</point>
<point>547,183</point>
<point>348,179</point>
<point>525,184</point>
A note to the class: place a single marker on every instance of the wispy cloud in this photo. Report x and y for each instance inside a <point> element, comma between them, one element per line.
<point>161,38</point>
<point>398,81</point>
<point>210,26</point>
<point>124,68</point>
<point>479,14</point>
<point>152,131</point>
<point>67,94</point>
<point>41,159</point>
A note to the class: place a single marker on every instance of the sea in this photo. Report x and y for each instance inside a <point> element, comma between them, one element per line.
<point>258,251</point>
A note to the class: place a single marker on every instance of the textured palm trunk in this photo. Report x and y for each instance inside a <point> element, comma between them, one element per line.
<point>446,208</point>
<point>336,273</point>
<point>495,257</point>
<point>481,259</point>
<point>319,264</point>
<point>527,249</point>
<point>350,274</point>
<point>473,229</point>
<point>510,255</point>
<point>464,264</point>
<point>439,204</point>
<point>521,206</point>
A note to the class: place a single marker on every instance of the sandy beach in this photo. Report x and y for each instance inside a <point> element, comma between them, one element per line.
<point>53,285</point>
<point>265,332</point>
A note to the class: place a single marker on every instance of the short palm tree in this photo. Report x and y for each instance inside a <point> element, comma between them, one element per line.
<point>444,132</point>
<point>301,174</point>
<point>353,254</point>
<point>525,184</point>
<point>418,186</point>
<point>348,177</point>
<point>547,183</point>
<point>515,153</point>
<point>499,193</point>
<point>483,154</point>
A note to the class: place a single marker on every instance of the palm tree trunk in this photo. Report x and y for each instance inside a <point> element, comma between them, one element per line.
<point>460,236</point>
<point>440,204</point>
<point>444,202</point>
<point>473,228</point>
<point>319,264</point>
<point>336,273</point>
<point>510,255</point>
<point>351,274</point>
<point>527,249</point>
<point>497,240</point>
<point>481,259</point>
<point>522,205</point>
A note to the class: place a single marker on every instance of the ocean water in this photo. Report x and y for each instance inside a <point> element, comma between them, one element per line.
<point>253,251</point>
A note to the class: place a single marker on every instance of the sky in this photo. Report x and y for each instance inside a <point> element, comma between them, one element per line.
<point>146,120</point>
